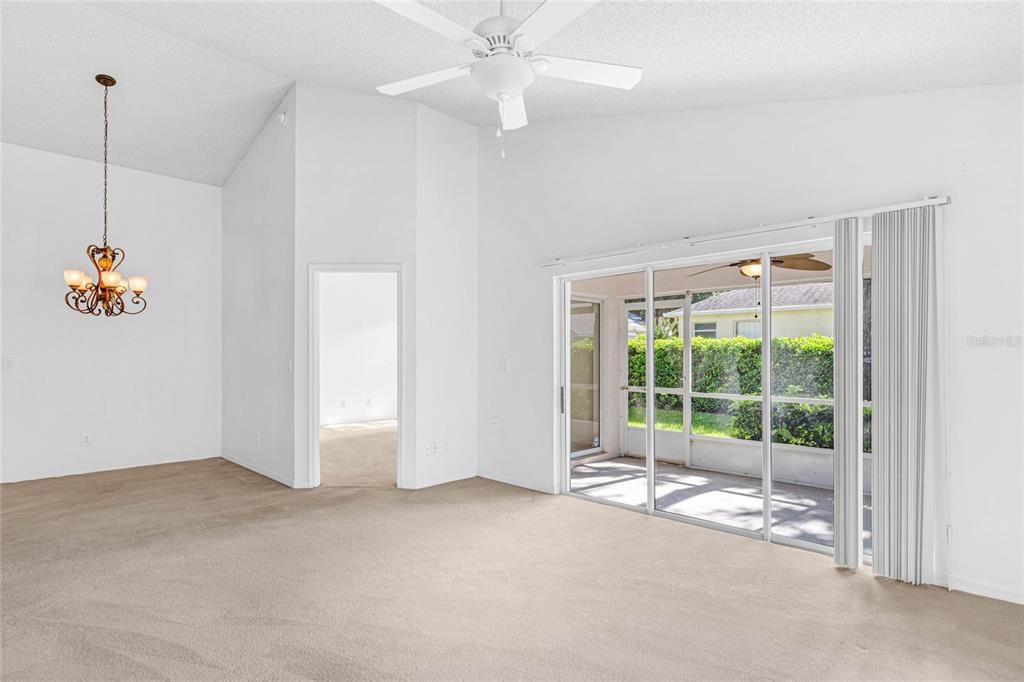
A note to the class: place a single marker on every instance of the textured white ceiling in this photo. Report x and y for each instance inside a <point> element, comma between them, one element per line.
<point>179,108</point>
<point>242,55</point>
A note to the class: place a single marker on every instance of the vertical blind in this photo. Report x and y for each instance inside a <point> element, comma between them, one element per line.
<point>905,445</point>
<point>848,381</point>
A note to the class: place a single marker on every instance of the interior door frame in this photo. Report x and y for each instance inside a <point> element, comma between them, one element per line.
<point>315,271</point>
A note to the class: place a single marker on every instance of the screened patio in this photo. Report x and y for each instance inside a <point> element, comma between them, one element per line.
<point>710,395</point>
<point>800,512</point>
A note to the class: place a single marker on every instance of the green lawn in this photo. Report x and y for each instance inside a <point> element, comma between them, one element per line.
<point>704,423</point>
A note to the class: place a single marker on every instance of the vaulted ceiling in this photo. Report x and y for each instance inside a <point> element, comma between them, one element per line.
<point>197,80</point>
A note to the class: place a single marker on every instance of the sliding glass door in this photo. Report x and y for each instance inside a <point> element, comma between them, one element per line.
<point>801,314</point>
<point>723,393</point>
<point>708,455</point>
<point>605,461</point>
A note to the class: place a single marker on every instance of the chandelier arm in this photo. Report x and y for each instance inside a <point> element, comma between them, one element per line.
<point>94,300</point>
<point>72,298</point>
<point>118,262</point>
<point>92,253</point>
<point>137,300</point>
<point>79,301</point>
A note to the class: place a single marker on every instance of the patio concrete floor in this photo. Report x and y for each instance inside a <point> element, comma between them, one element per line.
<point>798,511</point>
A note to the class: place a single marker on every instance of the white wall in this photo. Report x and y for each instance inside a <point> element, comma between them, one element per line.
<point>785,321</point>
<point>358,347</point>
<point>446,342</point>
<point>382,180</point>
<point>355,202</point>
<point>258,275</point>
<point>161,369</point>
<point>577,187</point>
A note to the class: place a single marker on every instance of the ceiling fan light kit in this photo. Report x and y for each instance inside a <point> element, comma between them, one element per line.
<point>506,65</point>
<point>106,294</point>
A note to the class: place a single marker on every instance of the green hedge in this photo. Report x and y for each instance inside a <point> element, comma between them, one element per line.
<point>801,366</point>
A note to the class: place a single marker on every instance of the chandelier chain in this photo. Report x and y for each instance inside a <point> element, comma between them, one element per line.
<point>106,125</point>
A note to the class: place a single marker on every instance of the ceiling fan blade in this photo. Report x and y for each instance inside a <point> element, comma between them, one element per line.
<point>802,264</point>
<point>717,267</point>
<point>416,82</point>
<point>513,113</point>
<point>550,18</point>
<point>429,18</point>
<point>583,71</point>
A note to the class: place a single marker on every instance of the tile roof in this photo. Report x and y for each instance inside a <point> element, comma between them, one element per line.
<point>783,296</point>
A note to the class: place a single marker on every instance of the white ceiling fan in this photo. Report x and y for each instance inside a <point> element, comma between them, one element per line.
<point>506,63</point>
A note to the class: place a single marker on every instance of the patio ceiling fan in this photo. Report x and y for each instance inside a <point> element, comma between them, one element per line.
<point>751,267</point>
<point>506,63</point>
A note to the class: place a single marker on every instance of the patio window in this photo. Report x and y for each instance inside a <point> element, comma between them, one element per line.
<point>707,330</point>
<point>750,329</point>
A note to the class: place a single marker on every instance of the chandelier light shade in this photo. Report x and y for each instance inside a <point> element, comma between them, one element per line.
<point>106,295</point>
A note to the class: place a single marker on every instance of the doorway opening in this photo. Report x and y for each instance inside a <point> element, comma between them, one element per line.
<point>355,396</point>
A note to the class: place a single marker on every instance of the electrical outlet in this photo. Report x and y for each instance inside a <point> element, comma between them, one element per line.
<point>259,438</point>
<point>369,401</point>
<point>494,422</point>
<point>86,441</point>
<point>342,404</point>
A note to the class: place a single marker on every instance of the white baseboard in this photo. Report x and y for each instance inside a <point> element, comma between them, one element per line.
<point>365,420</point>
<point>261,470</point>
<point>88,468</point>
<point>987,589</point>
<point>430,484</point>
<point>518,484</point>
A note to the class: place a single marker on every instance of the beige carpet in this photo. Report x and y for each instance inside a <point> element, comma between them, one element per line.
<point>361,454</point>
<point>203,570</point>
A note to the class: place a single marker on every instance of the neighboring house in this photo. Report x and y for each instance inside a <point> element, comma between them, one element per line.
<point>798,310</point>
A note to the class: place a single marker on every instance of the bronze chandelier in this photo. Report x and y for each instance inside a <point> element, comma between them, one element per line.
<point>107,294</point>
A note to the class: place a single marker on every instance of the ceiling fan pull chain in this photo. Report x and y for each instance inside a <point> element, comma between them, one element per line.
<point>501,121</point>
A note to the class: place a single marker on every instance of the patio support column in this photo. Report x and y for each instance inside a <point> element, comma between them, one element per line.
<point>848,391</point>
<point>649,386</point>
<point>766,394</point>
<point>687,333</point>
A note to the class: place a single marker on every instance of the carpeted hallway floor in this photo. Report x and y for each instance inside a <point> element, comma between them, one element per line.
<point>203,570</point>
<point>361,454</point>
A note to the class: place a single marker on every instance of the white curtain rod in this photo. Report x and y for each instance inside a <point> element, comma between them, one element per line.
<point>764,229</point>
